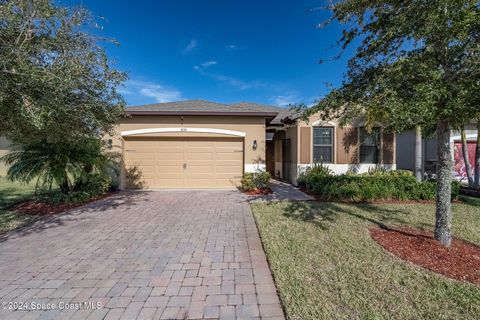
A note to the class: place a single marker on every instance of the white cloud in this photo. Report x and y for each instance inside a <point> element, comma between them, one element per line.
<point>190,46</point>
<point>159,93</point>
<point>285,100</point>
<point>205,65</point>
<point>232,81</point>
<point>209,63</point>
<point>237,83</point>
<point>231,47</point>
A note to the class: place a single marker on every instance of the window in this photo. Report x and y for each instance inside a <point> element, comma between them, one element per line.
<point>322,145</point>
<point>369,145</point>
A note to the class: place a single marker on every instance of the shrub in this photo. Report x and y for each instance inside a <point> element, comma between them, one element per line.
<point>312,173</point>
<point>257,180</point>
<point>95,184</point>
<point>76,197</point>
<point>374,185</point>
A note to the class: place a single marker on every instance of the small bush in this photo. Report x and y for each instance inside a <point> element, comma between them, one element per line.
<point>95,184</point>
<point>312,173</point>
<point>254,181</point>
<point>76,197</point>
<point>375,185</point>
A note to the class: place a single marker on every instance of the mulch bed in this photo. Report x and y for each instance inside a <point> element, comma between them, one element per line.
<point>39,208</point>
<point>461,261</point>
<point>259,192</point>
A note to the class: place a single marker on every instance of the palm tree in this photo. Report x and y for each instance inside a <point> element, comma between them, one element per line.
<point>58,164</point>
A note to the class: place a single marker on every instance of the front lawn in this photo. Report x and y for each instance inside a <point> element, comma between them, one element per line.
<point>12,193</point>
<point>326,266</point>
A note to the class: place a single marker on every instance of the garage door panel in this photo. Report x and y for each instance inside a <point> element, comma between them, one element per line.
<point>170,170</point>
<point>202,183</point>
<point>177,156</point>
<point>200,156</point>
<point>140,156</point>
<point>210,162</point>
<point>228,156</point>
<point>168,183</point>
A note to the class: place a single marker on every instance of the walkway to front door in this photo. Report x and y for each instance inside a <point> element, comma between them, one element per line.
<point>145,255</point>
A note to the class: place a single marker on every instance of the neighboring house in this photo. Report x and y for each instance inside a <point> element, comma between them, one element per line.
<point>406,151</point>
<point>202,144</point>
<point>4,147</point>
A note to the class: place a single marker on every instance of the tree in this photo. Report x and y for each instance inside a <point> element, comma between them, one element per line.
<point>418,154</point>
<point>56,82</point>
<point>476,183</point>
<point>417,63</point>
<point>466,159</point>
<point>58,164</point>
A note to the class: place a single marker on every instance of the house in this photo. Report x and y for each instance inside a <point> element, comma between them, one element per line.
<point>405,158</point>
<point>203,144</point>
<point>301,144</point>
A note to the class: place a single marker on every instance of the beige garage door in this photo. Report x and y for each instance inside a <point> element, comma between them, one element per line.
<point>184,162</point>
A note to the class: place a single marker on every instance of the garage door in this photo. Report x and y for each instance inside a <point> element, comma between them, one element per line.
<point>184,162</point>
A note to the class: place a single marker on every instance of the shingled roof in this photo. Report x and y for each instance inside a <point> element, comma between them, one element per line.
<point>203,107</point>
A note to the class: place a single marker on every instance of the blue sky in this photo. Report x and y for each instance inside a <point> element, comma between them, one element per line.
<point>225,51</point>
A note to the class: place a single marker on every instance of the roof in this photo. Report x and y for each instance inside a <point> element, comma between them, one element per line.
<point>203,107</point>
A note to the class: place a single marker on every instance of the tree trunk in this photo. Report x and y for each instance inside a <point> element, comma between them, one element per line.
<point>476,182</point>
<point>466,160</point>
<point>418,154</point>
<point>443,215</point>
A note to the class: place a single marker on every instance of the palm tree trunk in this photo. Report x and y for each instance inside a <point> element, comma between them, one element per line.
<point>476,182</point>
<point>418,154</point>
<point>466,160</point>
<point>443,214</point>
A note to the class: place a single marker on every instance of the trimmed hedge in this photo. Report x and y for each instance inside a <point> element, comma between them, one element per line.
<point>400,185</point>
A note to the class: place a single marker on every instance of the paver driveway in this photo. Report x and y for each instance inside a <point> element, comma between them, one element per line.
<point>142,255</point>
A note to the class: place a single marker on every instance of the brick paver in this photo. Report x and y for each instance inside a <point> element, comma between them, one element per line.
<point>145,255</point>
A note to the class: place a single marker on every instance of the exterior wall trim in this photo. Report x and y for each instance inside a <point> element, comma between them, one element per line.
<point>459,137</point>
<point>255,167</point>
<point>182,129</point>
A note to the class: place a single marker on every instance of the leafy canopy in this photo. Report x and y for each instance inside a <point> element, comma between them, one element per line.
<point>417,63</point>
<point>56,82</point>
<point>58,164</point>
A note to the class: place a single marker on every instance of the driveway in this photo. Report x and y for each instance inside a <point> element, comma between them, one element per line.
<point>141,255</point>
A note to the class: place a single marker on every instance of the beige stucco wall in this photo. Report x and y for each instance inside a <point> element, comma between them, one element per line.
<point>4,148</point>
<point>346,143</point>
<point>253,127</point>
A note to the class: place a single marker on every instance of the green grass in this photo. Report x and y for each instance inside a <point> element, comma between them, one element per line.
<point>326,266</point>
<point>11,193</point>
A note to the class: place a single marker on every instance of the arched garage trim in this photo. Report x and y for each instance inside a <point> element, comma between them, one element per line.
<point>182,129</point>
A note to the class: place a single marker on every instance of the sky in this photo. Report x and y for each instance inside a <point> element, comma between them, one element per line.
<point>225,51</point>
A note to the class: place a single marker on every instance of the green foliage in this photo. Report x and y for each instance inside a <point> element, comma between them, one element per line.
<point>417,63</point>
<point>95,184</point>
<point>317,171</point>
<point>255,180</point>
<point>56,81</point>
<point>375,185</point>
<point>76,197</point>
<point>64,165</point>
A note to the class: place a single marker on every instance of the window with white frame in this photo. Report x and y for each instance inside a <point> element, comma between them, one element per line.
<point>323,144</point>
<point>369,145</point>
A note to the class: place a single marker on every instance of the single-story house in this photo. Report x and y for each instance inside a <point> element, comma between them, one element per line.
<point>406,151</point>
<point>202,144</point>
